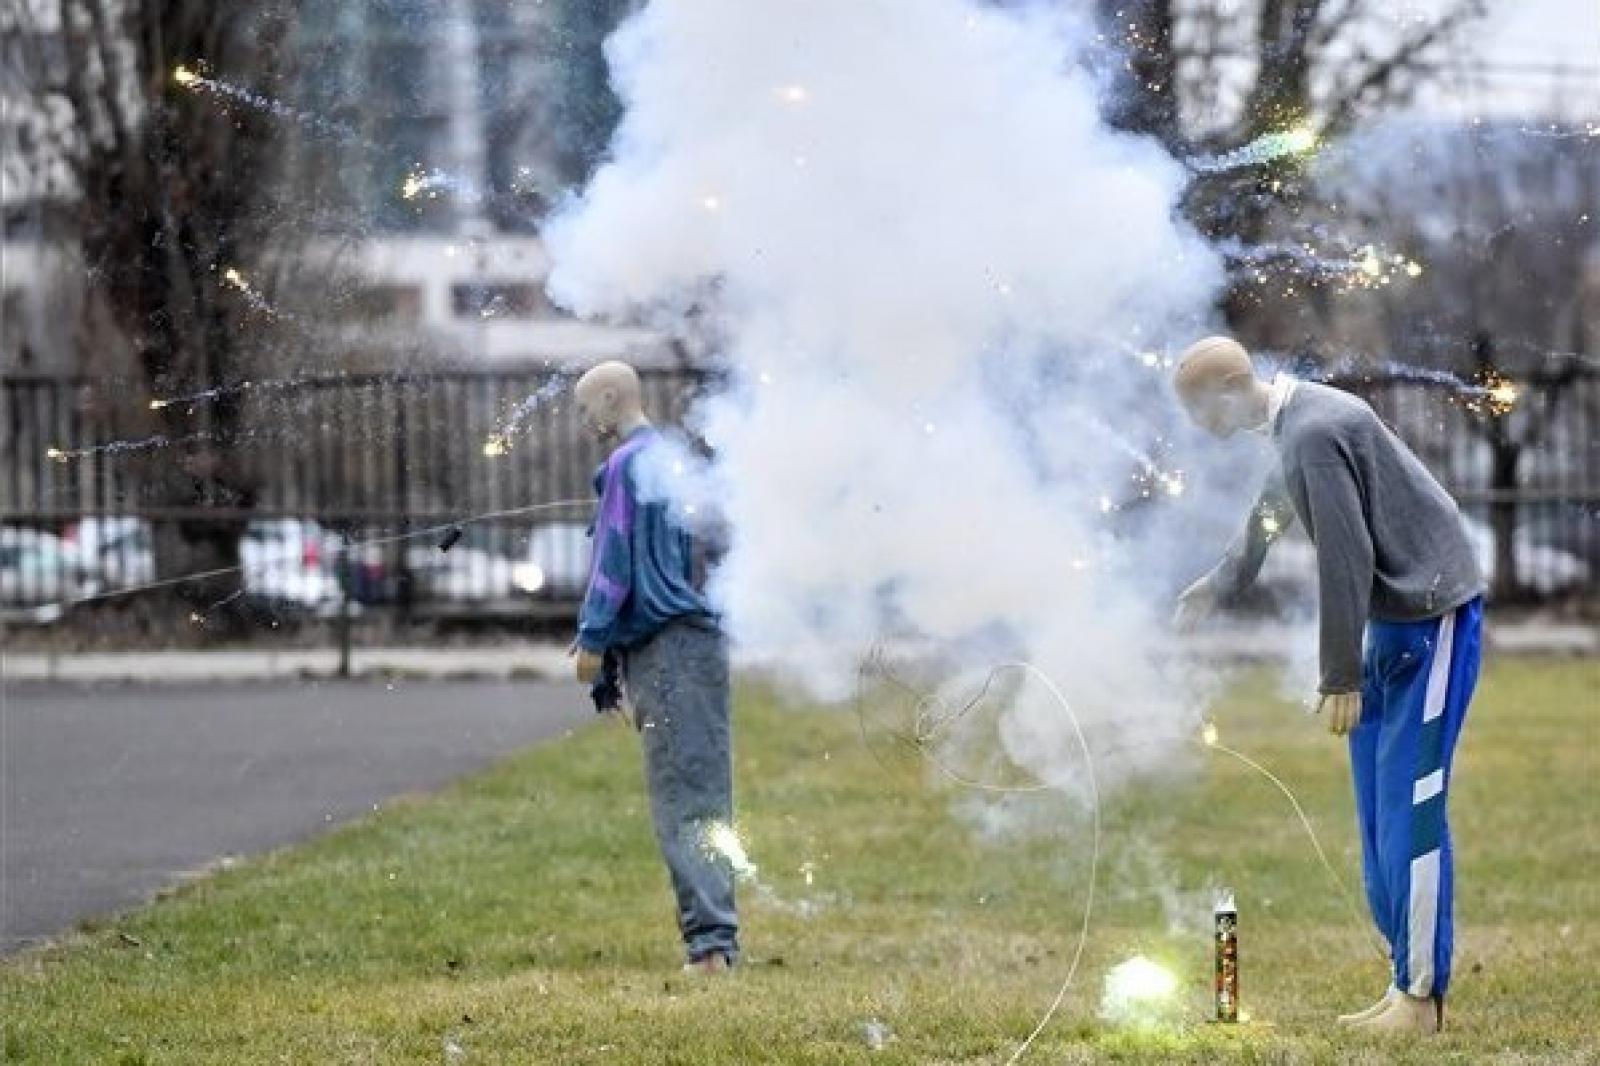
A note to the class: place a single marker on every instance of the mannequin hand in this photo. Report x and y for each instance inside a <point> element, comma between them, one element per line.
<point>1194,604</point>
<point>587,665</point>
<point>1343,710</point>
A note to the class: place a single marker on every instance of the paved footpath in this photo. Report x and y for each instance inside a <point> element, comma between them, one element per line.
<point>111,793</point>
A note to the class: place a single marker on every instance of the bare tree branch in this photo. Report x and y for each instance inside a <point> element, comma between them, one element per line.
<point>1343,106</point>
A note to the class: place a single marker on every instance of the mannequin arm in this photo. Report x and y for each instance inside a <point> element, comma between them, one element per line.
<point>611,572</point>
<point>1269,519</point>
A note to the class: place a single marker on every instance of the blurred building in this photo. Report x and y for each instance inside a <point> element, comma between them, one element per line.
<point>437,136</point>
<point>461,137</point>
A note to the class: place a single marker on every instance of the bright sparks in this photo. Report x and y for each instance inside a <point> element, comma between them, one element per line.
<point>1300,140</point>
<point>722,840</point>
<point>496,446</point>
<point>185,77</point>
<point>1268,148</point>
<point>1139,993</point>
<point>1503,396</point>
<point>1208,733</point>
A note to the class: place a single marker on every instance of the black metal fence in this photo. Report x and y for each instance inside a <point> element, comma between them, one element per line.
<point>1524,463</point>
<point>339,490</point>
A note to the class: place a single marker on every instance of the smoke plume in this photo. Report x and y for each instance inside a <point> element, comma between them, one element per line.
<point>946,293</point>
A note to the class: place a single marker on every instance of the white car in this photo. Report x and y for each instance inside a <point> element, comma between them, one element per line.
<point>461,575</point>
<point>121,549</point>
<point>42,574</point>
<point>285,563</point>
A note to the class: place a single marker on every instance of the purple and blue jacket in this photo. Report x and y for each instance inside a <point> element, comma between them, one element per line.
<point>641,574</point>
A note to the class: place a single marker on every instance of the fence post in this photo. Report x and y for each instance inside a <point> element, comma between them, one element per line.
<point>345,575</point>
<point>402,496</point>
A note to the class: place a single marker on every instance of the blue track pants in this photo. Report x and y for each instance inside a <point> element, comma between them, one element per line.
<point>1418,680</point>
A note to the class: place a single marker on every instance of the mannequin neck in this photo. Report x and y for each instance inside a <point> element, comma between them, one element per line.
<point>627,425</point>
<point>1260,406</point>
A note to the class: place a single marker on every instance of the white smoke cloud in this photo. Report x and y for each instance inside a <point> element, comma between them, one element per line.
<point>933,272</point>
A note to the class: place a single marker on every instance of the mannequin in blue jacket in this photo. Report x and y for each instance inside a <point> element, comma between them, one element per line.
<point>645,623</point>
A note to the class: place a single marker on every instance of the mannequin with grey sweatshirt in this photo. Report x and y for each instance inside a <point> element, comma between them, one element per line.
<point>1390,541</point>
<point>1401,635</point>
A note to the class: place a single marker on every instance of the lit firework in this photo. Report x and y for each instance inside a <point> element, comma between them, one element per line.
<point>1265,149</point>
<point>1140,993</point>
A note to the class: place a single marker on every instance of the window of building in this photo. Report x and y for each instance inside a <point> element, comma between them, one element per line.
<point>401,303</point>
<point>498,300</point>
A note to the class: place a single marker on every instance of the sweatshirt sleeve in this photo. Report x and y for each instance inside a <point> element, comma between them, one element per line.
<point>1271,516</point>
<point>611,566</point>
<point>1344,569</point>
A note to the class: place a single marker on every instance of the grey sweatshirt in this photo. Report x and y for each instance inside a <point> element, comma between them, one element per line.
<point>1390,542</point>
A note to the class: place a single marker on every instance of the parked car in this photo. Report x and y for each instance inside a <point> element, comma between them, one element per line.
<point>461,575</point>
<point>42,573</point>
<point>121,549</point>
<point>286,566</point>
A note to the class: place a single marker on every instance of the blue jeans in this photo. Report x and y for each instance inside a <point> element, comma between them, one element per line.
<point>677,682</point>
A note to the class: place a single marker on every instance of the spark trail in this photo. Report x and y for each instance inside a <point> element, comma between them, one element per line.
<point>123,447</point>
<point>504,436</point>
<point>252,296</point>
<point>220,391</point>
<point>1494,394</point>
<point>1366,267</point>
<point>197,82</point>
<point>1263,150</point>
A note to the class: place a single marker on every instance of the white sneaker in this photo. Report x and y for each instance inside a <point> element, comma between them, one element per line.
<point>1407,1014</point>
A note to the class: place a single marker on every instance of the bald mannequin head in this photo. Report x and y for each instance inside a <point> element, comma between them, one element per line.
<point>1219,389</point>
<point>610,401</point>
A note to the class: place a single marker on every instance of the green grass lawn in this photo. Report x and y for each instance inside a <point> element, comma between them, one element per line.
<point>523,915</point>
